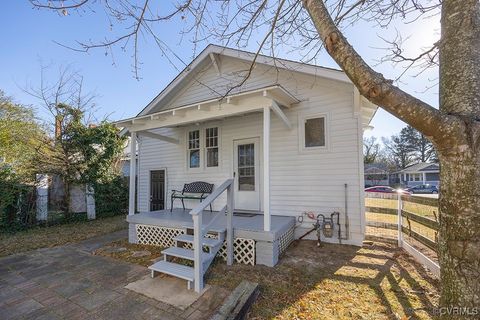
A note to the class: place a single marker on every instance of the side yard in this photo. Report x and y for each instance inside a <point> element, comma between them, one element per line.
<point>45,237</point>
<point>377,281</point>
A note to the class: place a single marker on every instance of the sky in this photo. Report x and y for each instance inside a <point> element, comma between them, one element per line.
<point>30,39</point>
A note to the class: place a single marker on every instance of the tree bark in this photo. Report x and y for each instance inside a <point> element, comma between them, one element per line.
<point>454,130</point>
<point>459,237</point>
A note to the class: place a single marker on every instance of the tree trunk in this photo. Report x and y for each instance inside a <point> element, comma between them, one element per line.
<point>459,237</point>
<point>454,130</point>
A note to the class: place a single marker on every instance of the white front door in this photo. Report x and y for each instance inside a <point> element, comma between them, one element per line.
<point>246,155</point>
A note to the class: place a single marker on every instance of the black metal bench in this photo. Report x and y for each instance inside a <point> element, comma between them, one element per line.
<point>197,190</point>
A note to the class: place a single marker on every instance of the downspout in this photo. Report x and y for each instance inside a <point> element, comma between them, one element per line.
<point>347,226</point>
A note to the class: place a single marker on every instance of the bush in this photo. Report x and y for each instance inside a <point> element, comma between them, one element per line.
<point>17,202</point>
<point>111,198</point>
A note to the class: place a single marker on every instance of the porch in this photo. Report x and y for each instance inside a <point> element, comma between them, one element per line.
<point>252,244</point>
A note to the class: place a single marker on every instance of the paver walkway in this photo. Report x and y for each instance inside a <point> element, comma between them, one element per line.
<point>68,282</point>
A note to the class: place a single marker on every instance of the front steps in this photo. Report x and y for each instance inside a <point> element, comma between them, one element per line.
<point>210,248</point>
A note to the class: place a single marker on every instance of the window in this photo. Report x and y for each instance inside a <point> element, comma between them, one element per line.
<point>314,132</point>
<point>211,145</point>
<point>194,149</point>
<point>415,177</point>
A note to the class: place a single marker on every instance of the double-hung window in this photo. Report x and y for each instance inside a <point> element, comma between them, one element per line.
<point>211,146</point>
<point>194,149</point>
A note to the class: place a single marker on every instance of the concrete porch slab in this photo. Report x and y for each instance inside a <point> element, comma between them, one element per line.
<point>166,289</point>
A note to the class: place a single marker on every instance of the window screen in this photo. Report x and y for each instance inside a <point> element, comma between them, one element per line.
<point>315,132</point>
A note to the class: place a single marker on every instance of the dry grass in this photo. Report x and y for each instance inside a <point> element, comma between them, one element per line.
<point>332,282</point>
<point>43,237</point>
<point>337,282</point>
<point>115,250</point>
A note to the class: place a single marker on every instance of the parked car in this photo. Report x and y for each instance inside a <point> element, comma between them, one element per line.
<point>424,188</point>
<point>386,189</point>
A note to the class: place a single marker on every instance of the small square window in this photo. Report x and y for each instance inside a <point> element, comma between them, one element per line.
<point>315,132</point>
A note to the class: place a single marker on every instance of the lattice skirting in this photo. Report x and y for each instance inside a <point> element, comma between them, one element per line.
<point>158,236</point>
<point>285,240</point>
<point>243,249</point>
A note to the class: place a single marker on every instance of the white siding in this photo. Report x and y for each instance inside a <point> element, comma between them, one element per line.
<point>300,181</point>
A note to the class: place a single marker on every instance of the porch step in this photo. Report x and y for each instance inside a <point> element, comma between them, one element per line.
<point>209,242</point>
<point>185,253</point>
<point>173,269</point>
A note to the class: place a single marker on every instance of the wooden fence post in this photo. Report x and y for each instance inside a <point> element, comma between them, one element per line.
<point>399,220</point>
<point>90,199</point>
<point>42,197</point>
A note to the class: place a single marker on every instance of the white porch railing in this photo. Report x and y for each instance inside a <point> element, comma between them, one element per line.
<point>199,232</point>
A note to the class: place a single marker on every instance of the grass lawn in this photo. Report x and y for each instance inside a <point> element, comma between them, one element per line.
<point>43,237</point>
<point>376,281</point>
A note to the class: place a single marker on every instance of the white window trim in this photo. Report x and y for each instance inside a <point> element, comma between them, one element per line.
<point>203,154</point>
<point>187,149</point>
<point>219,146</point>
<point>301,132</point>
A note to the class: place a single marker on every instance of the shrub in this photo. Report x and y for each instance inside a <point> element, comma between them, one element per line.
<point>111,197</point>
<point>17,202</point>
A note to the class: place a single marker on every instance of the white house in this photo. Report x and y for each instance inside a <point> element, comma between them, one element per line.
<point>279,137</point>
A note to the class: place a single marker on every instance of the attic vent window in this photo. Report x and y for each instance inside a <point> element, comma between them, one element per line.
<point>315,132</point>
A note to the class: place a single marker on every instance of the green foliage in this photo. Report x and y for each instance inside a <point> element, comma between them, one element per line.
<point>20,136</point>
<point>111,197</point>
<point>83,153</point>
<point>16,202</point>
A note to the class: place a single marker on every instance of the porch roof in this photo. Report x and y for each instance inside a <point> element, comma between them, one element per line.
<point>240,103</point>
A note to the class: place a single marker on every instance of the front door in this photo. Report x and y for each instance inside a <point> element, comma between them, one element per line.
<point>246,172</point>
<point>157,190</point>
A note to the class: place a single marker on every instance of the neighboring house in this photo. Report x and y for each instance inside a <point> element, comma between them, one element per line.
<point>289,138</point>
<point>125,160</point>
<point>379,174</point>
<point>420,173</point>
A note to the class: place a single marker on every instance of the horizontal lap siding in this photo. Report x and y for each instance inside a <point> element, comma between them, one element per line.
<point>300,181</point>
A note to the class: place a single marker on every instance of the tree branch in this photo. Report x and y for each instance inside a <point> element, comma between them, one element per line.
<point>371,84</point>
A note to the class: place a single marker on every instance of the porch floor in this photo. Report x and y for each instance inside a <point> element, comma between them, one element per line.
<point>245,225</point>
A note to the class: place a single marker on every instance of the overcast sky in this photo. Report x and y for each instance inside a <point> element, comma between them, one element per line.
<point>29,36</point>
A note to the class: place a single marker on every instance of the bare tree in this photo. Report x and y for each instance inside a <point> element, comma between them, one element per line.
<point>371,150</point>
<point>454,128</point>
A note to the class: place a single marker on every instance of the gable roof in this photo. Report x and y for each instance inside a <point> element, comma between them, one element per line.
<point>211,50</point>
<point>422,166</point>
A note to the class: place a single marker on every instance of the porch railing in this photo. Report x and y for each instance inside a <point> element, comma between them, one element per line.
<point>200,232</point>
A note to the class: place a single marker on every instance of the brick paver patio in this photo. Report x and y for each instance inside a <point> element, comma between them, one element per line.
<point>68,282</point>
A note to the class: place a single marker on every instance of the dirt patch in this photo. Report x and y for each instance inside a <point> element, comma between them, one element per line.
<point>125,251</point>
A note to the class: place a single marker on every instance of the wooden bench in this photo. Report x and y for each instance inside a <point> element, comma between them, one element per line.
<point>197,190</point>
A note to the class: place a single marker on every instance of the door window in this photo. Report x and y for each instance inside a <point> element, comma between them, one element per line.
<point>246,167</point>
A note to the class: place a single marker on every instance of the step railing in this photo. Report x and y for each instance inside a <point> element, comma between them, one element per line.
<point>199,232</point>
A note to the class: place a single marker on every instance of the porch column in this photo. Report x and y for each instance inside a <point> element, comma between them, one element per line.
<point>266,169</point>
<point>424,177</point>
<point>133,173</point>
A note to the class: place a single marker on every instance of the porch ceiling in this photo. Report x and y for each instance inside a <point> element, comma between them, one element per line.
<point>236,104</point>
